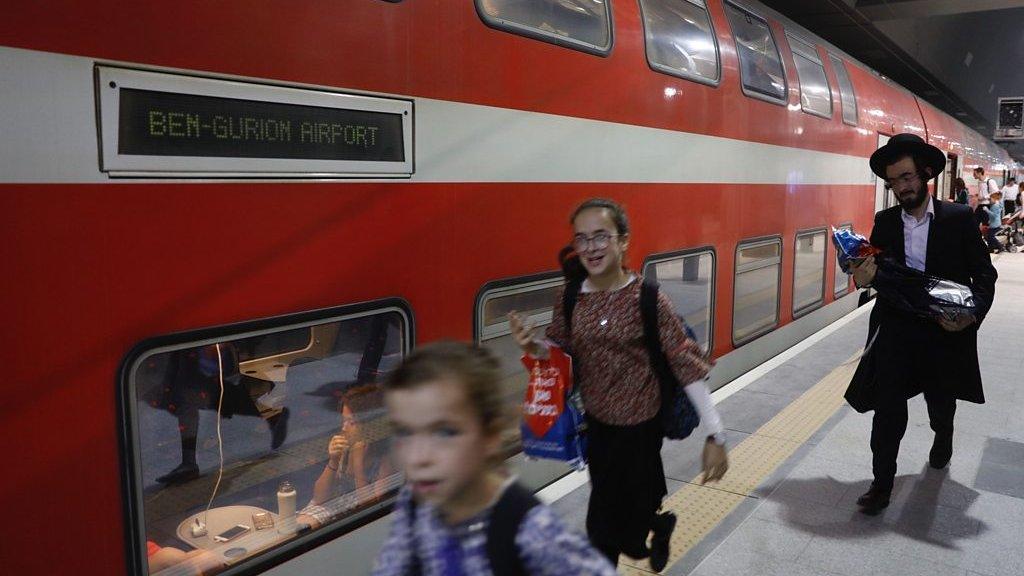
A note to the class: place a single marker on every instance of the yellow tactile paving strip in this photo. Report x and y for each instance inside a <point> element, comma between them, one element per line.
<point>700,508</point>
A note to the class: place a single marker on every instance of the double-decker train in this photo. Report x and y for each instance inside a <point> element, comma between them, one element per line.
<point>225,220</point>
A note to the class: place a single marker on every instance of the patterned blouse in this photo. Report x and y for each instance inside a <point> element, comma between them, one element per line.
<point>618,385</point>
<point>545,545</point>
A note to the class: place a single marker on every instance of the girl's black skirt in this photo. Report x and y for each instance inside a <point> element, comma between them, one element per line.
<point>627,485</point>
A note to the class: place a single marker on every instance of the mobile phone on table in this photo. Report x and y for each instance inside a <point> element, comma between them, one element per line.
<point>231,533</point>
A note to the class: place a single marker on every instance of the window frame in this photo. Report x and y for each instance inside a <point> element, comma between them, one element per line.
<point>792,38</point>
<point>507,287</point>
<point>739,59</point>
<point>753,243</point>
<point>836,294</point>
<point>547,37</point>
<point>128,427</point>
<point>655,259</point>
<point>808,308</point>
<point>660,68</point>
<point>839,86</point>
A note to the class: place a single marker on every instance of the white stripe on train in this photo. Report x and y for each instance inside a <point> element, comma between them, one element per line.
<point>49,105</point>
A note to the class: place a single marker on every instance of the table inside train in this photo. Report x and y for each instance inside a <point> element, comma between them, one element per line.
<point>223,518</point>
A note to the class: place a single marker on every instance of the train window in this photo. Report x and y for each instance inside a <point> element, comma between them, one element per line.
<point>815,94</point>
<point>534,299</point>
<point>808,271</point>
<point>579,24</point>
<point>846,93</point>
<point>842,280</point>
<point>681,39</point>
<point>688,279</point>
<point>755,308</point>
<point>245,442</point>
<point>761,70</point>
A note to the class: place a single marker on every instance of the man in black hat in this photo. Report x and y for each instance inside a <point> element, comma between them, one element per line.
<point>908,355</point>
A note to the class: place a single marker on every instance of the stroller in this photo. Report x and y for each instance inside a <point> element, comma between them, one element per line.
<point>1010,235</point>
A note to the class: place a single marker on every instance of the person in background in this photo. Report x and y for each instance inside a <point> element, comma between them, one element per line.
<point>960,193</point>
<point>1010,192</point>
<point>995,222</point>
<point>621,393</point>
<point>986,186</point>
<point>908,355</point>
<point>459,513</point>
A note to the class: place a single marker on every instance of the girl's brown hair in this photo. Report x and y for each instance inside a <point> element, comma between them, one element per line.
<point>474,367</point>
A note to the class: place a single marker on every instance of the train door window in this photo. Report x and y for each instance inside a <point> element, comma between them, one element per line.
<point>842,280</point>
<point>846,93</point>
<point>808,271</point>
<point>681,39</point>
<point>579,24</point>
<point>534,299</point>
<point>255,430</point>
<point>761,70</point>
<point>815,94</point>
<point>755,309</point>
<point>688,279</point>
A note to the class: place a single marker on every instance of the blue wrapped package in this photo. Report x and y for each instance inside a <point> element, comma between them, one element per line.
<point>905,288</point>
<point>851,247</point>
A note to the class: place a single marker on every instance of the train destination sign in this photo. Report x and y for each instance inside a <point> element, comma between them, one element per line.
<point>173,124</point>
<point>165,124</point>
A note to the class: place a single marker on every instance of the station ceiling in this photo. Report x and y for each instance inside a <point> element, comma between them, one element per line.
<point>960,55</point>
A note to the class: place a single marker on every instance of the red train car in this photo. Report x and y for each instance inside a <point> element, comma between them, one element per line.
<point>226,219</point>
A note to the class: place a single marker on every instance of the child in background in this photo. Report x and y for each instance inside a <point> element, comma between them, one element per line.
<point>459,514</point>
<point>995,221</point>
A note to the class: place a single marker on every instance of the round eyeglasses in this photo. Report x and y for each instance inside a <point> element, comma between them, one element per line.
<point>599,241</point>
<point>903,180</point>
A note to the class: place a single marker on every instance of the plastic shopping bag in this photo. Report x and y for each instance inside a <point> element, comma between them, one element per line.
<point>552,426</point>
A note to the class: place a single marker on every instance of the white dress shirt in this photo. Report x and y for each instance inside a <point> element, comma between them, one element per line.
<point>915,236</point>
<point>986,188</point>
<point>1010,192</point>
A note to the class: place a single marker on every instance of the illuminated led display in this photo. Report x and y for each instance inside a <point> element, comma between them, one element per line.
<point>154,123</point>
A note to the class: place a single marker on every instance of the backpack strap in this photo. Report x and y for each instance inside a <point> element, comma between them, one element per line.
<point>415,567</point>
<point>569,297</point>
<point>652,341</point>
<point>506,517</point>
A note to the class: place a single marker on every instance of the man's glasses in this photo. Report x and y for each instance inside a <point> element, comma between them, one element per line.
<point>599,241</point>
<point>903,180</point>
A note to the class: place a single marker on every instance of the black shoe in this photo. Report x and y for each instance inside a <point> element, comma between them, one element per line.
<point>874,500</point>
<point>278,428</point>
<point>941,452</point>
<point>664,524</point>
<point>183,473</point>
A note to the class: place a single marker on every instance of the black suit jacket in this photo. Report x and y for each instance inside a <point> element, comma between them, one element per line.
<point>911,354</point>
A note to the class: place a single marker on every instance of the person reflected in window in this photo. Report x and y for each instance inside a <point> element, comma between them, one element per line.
<point>358,466</point>
<point>171,561</point>
<point>194,382</point>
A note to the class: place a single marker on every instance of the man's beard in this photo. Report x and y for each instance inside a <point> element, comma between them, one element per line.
<point>911,201</point>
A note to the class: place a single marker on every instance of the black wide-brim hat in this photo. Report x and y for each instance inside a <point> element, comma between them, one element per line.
<point>903,144</point>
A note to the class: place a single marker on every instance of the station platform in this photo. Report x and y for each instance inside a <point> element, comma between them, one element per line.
<point>800,457</point>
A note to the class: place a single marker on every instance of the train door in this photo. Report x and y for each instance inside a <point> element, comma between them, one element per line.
<point>942,184</point>
<point>882,196</point>
<point>951,176</point>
